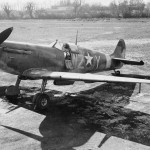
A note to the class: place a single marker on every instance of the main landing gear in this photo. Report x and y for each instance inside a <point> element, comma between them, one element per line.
<point>40,100</point>
<point>12,92</point>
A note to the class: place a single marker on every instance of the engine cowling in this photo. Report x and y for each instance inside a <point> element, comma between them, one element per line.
<point>63,82</point>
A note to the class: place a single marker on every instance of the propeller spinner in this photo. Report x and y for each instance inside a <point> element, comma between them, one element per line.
<point>5,34</point>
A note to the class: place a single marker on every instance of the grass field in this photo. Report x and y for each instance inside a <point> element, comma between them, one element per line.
<point>104,104</point>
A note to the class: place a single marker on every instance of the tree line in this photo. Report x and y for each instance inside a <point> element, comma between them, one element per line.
<point>70,9</point>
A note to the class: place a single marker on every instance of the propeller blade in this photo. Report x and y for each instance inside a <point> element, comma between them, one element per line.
<point>5,34</point>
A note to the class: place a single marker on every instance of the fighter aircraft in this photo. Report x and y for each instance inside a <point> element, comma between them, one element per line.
<point>64,63</point>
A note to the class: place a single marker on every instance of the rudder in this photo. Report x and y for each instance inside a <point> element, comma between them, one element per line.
<point>120,50</point>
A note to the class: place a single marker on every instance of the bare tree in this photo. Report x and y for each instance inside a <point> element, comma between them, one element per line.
<point>65,3</point>
<point>124,8</point>
<point>136,2</point>
<point>21,14</point>
<point>114,9</point>
<point>147,9</point>
<point>30,7</point>
<point>7,9</point>
<point>137,5</point>
<point>77,4</point>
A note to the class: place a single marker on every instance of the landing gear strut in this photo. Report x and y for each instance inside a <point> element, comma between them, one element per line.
<point>12,92</point>
<point>41,100</point>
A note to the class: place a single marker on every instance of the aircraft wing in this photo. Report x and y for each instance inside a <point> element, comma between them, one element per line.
<point>129,62</point>
<point>45,74</point>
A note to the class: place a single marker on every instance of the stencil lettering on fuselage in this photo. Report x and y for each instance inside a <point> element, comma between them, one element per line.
<point>97,60</point>
<point>93,61</point>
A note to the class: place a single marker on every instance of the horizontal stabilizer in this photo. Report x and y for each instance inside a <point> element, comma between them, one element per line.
<point>129,62</point>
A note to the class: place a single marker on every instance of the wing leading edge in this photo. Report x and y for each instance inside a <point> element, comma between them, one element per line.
<point>45,74</point>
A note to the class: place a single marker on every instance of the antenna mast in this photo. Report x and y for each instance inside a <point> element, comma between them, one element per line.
<point>76,38</point>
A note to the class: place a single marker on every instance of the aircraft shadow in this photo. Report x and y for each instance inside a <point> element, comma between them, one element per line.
<point>71,121</point>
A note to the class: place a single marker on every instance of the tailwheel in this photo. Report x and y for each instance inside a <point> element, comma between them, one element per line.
<point>41,101</point>
<point>12,92</point>
<point>117,73</point>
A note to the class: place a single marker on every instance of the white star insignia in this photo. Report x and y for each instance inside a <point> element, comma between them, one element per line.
<point>89,59</point>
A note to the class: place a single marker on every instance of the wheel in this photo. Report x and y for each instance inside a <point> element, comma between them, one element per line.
<point>12,93</point>
<point>12,99</point>
<point>117,73</point>
<point>41,101</point>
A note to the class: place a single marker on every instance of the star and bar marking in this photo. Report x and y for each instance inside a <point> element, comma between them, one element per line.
<point>89,59</point>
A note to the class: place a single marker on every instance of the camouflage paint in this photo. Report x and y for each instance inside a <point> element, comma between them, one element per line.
<point>18,57</point>
<point>90,61</point>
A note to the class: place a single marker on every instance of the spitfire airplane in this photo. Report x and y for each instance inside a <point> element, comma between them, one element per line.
<point>63,63</point>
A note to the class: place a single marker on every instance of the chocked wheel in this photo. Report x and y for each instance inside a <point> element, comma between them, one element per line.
<point>12,92</point>
<point>41,101</point>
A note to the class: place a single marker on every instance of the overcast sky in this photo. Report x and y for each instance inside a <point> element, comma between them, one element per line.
<point>48,3</point>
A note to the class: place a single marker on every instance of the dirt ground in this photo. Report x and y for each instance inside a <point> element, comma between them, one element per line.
<point>115,109</point>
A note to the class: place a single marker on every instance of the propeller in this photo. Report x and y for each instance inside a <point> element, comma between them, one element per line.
<point>5,34</point>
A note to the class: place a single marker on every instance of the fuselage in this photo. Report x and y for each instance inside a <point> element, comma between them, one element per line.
<point>17,57</point>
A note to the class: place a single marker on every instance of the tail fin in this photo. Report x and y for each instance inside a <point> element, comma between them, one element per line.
<point>120,50</point>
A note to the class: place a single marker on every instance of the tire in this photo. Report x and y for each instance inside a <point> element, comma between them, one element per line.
<point>117,73</point>
<point>41,101</point>
<point>12,94</point>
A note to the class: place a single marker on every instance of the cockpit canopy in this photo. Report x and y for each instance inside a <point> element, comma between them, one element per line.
<point>62,46</point>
